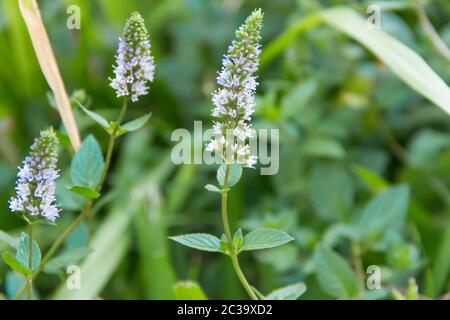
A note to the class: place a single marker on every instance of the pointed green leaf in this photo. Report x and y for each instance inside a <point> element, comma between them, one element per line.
<point>94,116</point>
<point>233,177</point>
<point>15,265</point>
<point>332,191</point>
<point>265,238</point>
<point>334,275</point>
<point>136,123</point>
<point>386,211</point>
<point>188,290</point>
<point>87,164</point>
<point>373,181</point>
<point>23,252</point>
<point>199,241</point>
<point>85,192</point>
<point>291,292</point>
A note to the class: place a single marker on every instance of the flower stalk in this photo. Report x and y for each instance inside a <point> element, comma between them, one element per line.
<point>232,250</point>
<point>234,104</point>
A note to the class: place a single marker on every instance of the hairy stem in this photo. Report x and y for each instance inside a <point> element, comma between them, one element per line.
<point>227,229</point>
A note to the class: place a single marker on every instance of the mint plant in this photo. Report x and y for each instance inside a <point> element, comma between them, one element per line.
<point>35,201</point>
<point>234,104</point>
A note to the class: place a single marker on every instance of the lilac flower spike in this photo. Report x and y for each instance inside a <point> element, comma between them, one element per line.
<point>35,187</point>
<point>234,102</point>
<point>135,66</point>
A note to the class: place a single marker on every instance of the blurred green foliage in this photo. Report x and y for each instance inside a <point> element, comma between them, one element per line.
<point>364,160</point>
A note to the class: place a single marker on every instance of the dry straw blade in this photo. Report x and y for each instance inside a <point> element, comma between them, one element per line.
<point>33,20</point>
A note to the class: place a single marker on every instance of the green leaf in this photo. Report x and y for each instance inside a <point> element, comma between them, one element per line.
<point>8,239</point>
<point>86,192</point>
<point>15,265</point>
<point>23,252</point>
<point>199,241</point>
<point>373,181</point>
<point>404,62</point>
<point>298,98</point>
<point>233,177</point>
<point>336,232</point>
<point>426,146</point>
<point>188,290</point>
<point>291,292</point>
<point>67,258</point>
<point>334,275</point>
<point>265,238</point>
<point>136,123</point>
<point>87,164</point>
<point>238,240</point>
<point>331,191</point>
<point>213,188</point>
<point>385,212</point>
<point>94,116</point>
<point>323,147</point>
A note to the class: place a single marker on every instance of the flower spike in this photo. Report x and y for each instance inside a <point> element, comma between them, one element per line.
<point>135,66</point>
<point>35,187</point>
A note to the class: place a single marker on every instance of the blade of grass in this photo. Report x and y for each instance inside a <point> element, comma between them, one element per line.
<point>150,224</point>
<point>404,62</point>
<point>44,53</point>
<point>110,244</point>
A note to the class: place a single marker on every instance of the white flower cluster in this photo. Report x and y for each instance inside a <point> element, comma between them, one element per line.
<point>234,102</point>
<point>35,186</point>
<point>135,65</point>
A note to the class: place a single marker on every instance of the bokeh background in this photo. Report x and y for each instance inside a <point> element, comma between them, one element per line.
<point>349,128</point>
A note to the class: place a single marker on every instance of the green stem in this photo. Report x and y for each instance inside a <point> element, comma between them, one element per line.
<point>84,213</point>
<point>358,265</point>
<point>437,42</point>
<point>30,262</point>
<point>59,241</point>
<point>112,140</point>
<point>227,229</point>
